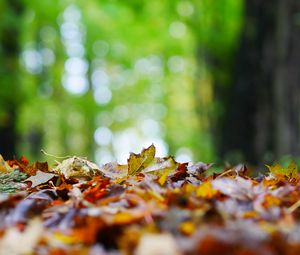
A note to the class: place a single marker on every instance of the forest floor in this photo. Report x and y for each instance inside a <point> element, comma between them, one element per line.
<point>149,206</point>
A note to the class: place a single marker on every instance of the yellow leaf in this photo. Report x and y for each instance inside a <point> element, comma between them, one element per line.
<point>161,166</point>
<point>189,188</point>
<point>138,162</point>
<point>187,228</point>
<point>66,239</point>
<point>123,218</point>
<point>4,167</point>
<point>250,214</point>
<point>156,195</point>
<point>276,169</point>
<point>291,171</point>
<point>163,178</point>
<point>206,190</point>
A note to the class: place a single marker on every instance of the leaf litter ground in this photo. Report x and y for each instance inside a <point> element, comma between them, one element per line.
<point>149,206</point>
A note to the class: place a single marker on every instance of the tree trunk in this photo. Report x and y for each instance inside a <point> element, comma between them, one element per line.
<point>262,118</point>
<point>287,78</point>
<point>9,53</point>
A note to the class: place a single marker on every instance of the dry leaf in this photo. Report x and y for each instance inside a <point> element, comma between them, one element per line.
<point>114,170</point>
<point>206,190</point>
<point>138,162</point>
<point>4,166</point>
<point>39,178</point>
<point>76,167</point>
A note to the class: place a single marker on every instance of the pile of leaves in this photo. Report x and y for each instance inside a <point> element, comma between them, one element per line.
<point>150,206</point>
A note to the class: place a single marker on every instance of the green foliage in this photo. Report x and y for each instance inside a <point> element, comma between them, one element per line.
<point>143,76</point>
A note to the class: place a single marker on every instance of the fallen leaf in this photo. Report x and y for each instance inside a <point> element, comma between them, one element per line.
<point>206,190</point>
<point>161,166</point>
<point>237,188</point>
<point>291,171</point>
<point>39,178</point>
<point>24,160</point>
<point>198,169</point>
<point>162,179</point>
<point>138,162</point>
<point>164,206</point>
<point>76,167</point>
<point>93,193</point>
<point>114,170</point>
<point>4,166</point>
<point>270,200</point>
<point>187,228</point>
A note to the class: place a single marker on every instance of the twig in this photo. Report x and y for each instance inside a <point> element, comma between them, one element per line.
<point>294,207</point>
<point>226,172</point>
<point>51,155</point>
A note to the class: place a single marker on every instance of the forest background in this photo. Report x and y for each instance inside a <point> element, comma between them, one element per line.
<point>203,80</point>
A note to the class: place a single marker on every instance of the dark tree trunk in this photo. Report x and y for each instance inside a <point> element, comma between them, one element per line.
<point>262,117</point>
<point>9,53</point>
<point>287,78</point>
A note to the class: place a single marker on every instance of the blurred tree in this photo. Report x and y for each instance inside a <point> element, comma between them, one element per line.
<point>11,15</point>
<point>262,114</point>
<point>217,26</point>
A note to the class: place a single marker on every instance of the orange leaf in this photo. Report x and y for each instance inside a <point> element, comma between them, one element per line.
<point>271,201</point>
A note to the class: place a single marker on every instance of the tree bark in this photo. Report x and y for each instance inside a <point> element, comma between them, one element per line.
<point>287,78</point>
<point>262,118</point>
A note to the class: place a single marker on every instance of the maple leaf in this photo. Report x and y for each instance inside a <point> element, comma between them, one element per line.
<point>138,162</point>
<point>146,162</point>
